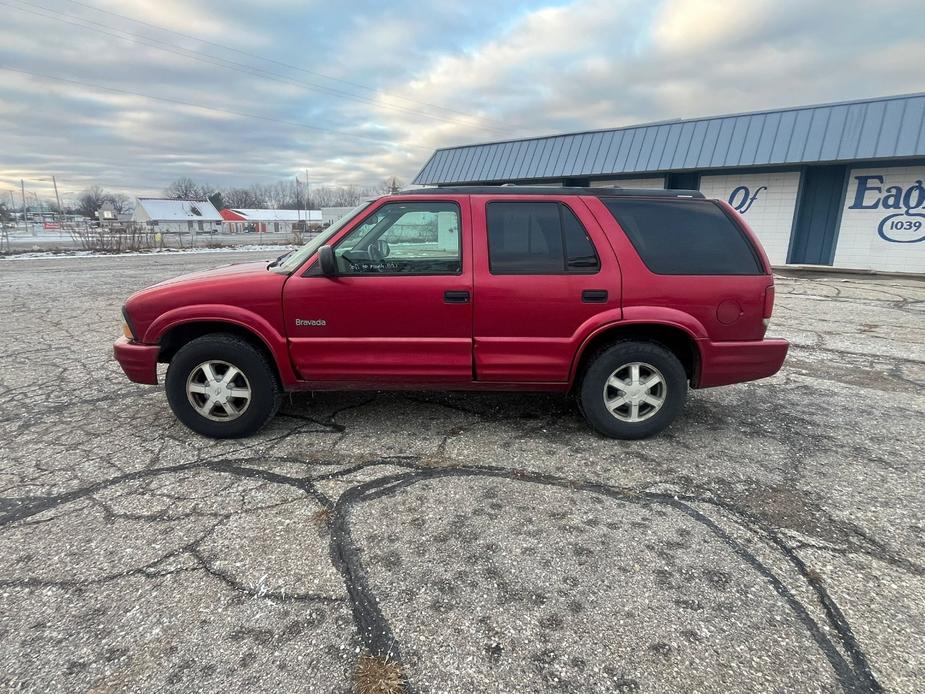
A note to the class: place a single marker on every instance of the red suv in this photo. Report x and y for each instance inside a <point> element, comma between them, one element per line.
<point>622,297</point>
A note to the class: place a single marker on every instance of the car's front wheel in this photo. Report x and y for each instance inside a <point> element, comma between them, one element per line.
<point>222,386</point>
<point>633,390</point>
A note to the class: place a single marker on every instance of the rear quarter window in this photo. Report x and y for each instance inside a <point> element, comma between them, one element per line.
<point>675,237</point>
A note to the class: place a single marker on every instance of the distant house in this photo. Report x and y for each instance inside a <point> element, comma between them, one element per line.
<point>110,215</point>
<point>177,215</point>
<point>239,220</point>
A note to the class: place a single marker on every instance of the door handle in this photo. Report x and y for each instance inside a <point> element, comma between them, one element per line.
<point>456,297</point>
<point>594,296</point>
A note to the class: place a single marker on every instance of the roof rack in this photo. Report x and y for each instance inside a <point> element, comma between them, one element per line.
<point>598,192</point>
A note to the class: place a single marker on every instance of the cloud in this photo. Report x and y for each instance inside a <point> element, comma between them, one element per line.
<point>385,84</point>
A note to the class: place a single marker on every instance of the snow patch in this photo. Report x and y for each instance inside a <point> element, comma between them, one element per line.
<point>45,255</point>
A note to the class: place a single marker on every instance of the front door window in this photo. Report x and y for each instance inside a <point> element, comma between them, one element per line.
<point>410,238</point>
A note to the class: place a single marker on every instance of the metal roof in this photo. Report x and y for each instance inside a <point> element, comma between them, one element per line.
<point>872,129</point>
<point>169,210</point>
<point>267,215</point>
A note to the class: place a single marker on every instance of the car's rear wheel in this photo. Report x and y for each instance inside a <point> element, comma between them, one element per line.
<point>632,390</point>
<point>222,386</point>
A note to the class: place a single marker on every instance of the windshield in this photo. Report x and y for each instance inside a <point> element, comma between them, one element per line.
<point>300,255</point>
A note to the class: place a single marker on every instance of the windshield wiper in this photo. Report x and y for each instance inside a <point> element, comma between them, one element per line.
<point>280,259</point>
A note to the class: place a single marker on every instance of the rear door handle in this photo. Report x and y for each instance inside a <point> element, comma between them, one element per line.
<point>594,296</point>
<point>456,297</point>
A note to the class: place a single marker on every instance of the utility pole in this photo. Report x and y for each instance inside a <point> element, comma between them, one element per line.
<point>307,193</point>
<point>38,208</point>
<point>22,189</point>
<point>298,213</point>
<point>6,233</point>
<point>57,197</point>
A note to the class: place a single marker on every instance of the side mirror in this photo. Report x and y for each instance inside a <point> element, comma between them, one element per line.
<point>326,261</point>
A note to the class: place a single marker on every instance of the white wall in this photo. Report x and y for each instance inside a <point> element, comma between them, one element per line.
<point>648,182</point>
<point>183,227</point>
<point>893,208</point>
<point>770,214</point>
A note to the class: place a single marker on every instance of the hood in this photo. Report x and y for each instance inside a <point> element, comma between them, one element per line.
<point>243,287</point>
<point>229,270</point>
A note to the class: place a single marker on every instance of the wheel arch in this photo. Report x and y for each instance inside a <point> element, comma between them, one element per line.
<point>179,333</point>
<point>676,339</point>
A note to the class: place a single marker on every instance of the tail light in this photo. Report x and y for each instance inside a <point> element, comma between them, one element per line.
<point>768,305</point>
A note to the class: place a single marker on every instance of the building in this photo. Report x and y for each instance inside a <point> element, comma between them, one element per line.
<point>177,215</point>
<point>329,215</point>
<point>837,184</point>
<point>109,215</point>
<point>240,220</point>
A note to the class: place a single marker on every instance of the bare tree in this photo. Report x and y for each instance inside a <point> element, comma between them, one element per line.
<point>90,200</point>
<point>241,198</point>
<point>185,188</point>
<point>392,184</point>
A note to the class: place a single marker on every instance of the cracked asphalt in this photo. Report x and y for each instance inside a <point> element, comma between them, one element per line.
<point>772,540</point>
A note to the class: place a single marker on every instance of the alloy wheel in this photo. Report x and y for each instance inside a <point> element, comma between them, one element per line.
<point>635,392</point>
<point>218,390</point>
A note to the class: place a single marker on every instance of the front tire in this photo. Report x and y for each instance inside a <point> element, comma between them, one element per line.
<point>632,390</point>
<point>221,386</point>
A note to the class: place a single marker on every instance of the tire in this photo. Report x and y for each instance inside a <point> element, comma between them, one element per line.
<point>191,391</point>
<point>651,364</point>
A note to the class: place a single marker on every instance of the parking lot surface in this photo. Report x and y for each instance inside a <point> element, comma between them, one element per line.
<point>771,540</point>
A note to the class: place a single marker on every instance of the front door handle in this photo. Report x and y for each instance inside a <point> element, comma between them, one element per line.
<point>594,296</point>
<point>456,297</point>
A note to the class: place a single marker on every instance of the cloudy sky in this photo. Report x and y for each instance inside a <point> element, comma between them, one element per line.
<point>131,94</point>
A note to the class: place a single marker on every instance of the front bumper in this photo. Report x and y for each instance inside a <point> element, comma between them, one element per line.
<point>138,361</point>
<point>722,363</point>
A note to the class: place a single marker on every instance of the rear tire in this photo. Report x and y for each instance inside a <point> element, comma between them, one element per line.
<point>221,386</point>
<point>632,390</point>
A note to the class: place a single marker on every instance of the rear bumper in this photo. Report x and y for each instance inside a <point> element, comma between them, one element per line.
<point>138,361</point>
<point>722,363</point>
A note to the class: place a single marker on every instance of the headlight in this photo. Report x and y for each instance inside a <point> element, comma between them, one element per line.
<point>127,328</point>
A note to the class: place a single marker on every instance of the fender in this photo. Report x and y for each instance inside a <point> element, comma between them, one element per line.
<point>638,315</point>
<point>225,313</point>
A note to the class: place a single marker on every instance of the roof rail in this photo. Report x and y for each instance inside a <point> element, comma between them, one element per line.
<point>598,192</point>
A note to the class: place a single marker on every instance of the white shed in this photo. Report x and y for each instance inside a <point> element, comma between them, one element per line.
<point>177,215</point>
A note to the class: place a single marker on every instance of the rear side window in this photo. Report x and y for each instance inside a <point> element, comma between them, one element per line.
<point>537,238</point>
<point>685,238</point>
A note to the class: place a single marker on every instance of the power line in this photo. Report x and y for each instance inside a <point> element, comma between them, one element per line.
<point>281,63</point>
<point>180,102</point>
<point>228,64</point>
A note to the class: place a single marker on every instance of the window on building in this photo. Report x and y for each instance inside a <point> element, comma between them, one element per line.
<point>199,225</point>
<point>675,237</point>
<point>537,238</point>
<point>415,238</point>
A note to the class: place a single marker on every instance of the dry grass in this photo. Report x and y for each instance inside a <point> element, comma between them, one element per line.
<point>378,675</point>
<point>127,237</point>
